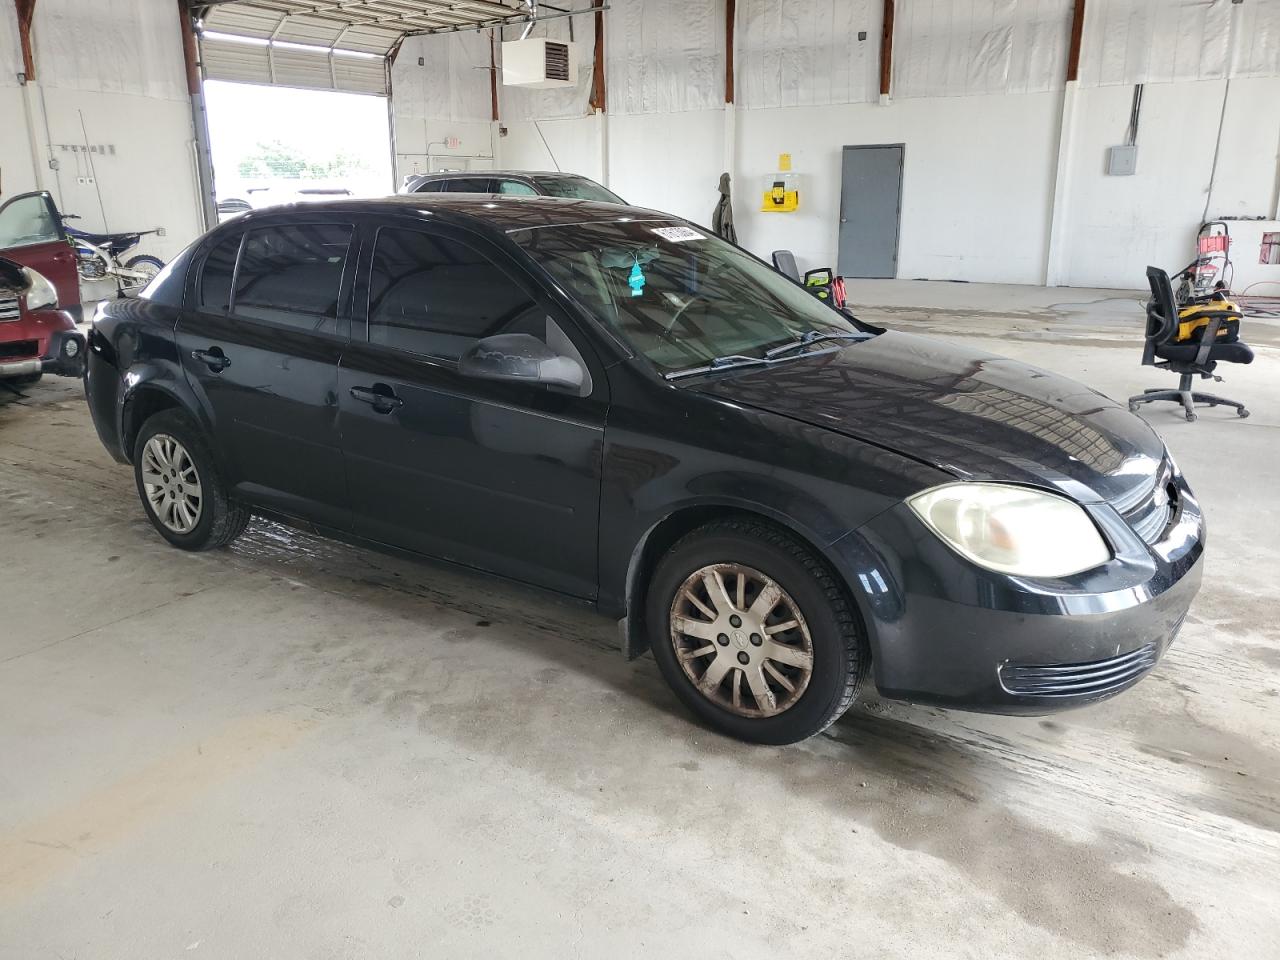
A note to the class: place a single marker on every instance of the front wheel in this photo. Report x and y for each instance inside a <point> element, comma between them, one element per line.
<point>754,633</point>
<point>180,486</point>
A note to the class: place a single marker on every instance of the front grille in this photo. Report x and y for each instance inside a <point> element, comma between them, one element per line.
<point>1096,678</point>
<point>18,349</point>
<point>9,308</point>
<point>1151,508</point>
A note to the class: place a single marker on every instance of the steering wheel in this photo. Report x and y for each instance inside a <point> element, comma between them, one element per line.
<point>702,294</point>
<point>675,317</point>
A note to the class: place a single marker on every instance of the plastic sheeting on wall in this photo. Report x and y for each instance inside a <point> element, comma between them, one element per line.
<point>664,56</point>
<point>1155,41</point>
<point>112,46</point>
<point>560,103</point>
<point>1256,50</point>
<point>807,52</point>
<point>946,49</point>
<point>451,84</point>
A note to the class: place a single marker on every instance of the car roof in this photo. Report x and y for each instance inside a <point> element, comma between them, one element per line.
<point>504,213</point>
<point>528,174</point>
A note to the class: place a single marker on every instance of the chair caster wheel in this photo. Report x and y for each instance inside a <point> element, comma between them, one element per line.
<point>1133,408</point>
<point>1243,414</point>
<point>1191,418</point>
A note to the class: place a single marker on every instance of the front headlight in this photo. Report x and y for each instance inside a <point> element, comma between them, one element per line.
<point>41,293</point>
<point>1014,530</point>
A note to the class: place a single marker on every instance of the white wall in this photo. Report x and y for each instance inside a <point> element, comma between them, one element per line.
<point>978,102</point>
<point>670,162</point>
<point>16,174</point>
<point>444,96</point>
<point>574,146</point>
<point>1116,226</point>
<point>977,181</point>
<point>132,103</point>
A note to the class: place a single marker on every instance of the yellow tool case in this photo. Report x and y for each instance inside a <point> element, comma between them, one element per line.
<point>1193,319</point>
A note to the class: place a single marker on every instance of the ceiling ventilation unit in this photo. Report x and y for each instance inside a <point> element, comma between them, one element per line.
<point>539,63</point>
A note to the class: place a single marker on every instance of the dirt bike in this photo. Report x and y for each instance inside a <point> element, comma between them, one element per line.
<point>98,256</point>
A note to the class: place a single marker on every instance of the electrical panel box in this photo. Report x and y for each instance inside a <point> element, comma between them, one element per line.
<point>1122,161</point>
<point>539,63</point>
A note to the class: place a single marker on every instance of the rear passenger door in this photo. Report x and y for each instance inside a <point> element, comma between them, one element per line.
<point>500,476</point>
<point>267,325</point>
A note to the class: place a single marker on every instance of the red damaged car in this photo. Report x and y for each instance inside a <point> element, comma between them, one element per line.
<point>39,293</point>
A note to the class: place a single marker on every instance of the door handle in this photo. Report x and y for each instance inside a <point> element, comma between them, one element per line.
<point>214,358</point>
<point>380,396</point>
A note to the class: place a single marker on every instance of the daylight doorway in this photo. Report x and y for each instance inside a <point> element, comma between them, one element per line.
<point>274,144</point>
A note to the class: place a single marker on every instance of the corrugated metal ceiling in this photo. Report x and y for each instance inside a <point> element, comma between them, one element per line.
<point>366,26</point>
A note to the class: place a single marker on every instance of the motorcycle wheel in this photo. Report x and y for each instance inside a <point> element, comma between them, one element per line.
<point>146,265</point>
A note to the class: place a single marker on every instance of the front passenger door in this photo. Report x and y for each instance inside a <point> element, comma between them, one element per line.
<point>499,476</point>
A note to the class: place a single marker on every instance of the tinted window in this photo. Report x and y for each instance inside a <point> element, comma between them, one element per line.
<point>431,186</point>
<point>292,274</point>
<point>576,188</point>
<point>434,296</point>
<point>219,267</point>
<point>516,188</point>
<point>469,185</point>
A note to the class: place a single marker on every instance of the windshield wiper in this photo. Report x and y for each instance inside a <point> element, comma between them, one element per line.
<point>719,363</point>
<point>813,336</point>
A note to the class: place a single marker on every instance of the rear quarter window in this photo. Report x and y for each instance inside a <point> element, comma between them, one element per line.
<point>214,290</point>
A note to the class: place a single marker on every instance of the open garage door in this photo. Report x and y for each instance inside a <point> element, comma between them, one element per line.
<point>327,46</point>
<point>246,43</point>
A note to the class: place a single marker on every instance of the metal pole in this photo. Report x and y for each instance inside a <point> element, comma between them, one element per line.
<point>206,203</point>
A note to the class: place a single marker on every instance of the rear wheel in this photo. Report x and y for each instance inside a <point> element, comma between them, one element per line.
<point>754,633</point>
<point>181,489</point>
<point>145,265</point>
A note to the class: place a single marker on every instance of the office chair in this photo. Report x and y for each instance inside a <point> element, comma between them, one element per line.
<point>1188,357</point>
<point>784,261</point>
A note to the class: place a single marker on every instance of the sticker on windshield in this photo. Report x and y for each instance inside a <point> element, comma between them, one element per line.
<point>677,234</point>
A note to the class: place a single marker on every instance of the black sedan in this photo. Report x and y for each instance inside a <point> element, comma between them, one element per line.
<point>779,501</point>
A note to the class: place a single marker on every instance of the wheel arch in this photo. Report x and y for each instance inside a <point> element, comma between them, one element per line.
<point>666,532</point>
<point>144,401</point>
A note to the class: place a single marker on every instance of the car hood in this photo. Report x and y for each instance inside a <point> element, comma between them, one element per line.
<point>974,415</point>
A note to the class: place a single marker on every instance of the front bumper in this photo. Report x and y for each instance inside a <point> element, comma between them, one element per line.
<point>60,352</point>
<point>946,632</point>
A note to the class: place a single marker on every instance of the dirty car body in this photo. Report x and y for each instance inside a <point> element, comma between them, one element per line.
<point>582,484</point>
<point>39,291</point>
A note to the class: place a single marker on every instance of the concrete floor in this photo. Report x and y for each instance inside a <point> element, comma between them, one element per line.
<point>296,749</point>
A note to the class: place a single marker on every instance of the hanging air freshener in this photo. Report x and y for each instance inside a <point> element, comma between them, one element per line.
<point>636,280</point>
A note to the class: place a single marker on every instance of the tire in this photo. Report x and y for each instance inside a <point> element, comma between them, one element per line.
<point>217,520</point>
<point>145,261</point>
<point>27,379</point>
<point>827,627</point>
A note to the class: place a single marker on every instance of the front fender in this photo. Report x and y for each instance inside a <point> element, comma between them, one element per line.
<point>663,476</point>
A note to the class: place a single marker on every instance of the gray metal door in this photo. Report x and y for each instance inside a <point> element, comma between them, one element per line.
<point>870,204</point>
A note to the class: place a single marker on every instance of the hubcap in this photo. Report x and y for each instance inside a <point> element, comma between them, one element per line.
<point>171,483</point>
<point>741,640</point>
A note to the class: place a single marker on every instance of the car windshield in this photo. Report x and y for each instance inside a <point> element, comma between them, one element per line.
<point>575,188</point>
<point>680,296</point>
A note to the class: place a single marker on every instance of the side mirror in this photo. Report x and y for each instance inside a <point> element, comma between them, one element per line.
<point>520,358</point>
